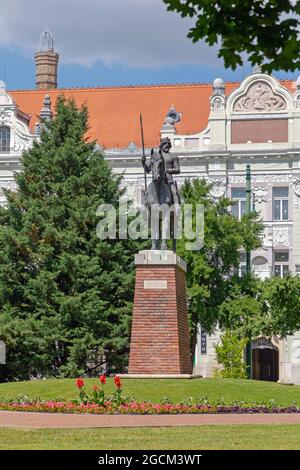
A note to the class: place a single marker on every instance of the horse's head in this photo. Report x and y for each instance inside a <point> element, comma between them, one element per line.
<point>158,168</point>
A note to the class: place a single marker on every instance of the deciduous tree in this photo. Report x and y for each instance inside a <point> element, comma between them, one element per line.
<point>267,31</point>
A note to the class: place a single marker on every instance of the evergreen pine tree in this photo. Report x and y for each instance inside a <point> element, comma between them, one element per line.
<point>64,293</point>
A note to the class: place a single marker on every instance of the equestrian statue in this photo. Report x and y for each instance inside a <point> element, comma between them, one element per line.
<point>162,191</point>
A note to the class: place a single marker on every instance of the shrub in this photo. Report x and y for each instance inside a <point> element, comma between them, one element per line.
<point>230,354</point>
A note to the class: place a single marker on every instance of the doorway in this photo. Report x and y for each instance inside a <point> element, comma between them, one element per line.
<point>265,360</point>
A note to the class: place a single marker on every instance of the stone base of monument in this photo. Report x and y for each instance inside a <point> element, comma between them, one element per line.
<point>159,346</point>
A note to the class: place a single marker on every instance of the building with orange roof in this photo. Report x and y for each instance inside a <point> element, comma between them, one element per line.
<point>216,130</point>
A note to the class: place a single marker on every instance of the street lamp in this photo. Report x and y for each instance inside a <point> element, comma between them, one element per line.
<point>248,264</point>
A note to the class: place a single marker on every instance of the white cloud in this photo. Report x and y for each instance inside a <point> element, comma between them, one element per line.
<point>133,33</point>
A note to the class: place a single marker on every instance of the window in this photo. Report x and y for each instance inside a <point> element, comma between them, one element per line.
<point>239,196</point>
<point>4,139</point>
<point>281,263</point>
<point>280,203</point>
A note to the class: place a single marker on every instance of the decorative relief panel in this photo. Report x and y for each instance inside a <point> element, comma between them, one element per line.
<point>218,104</point>
<point>280,236</point>
<point>260,194</point>
<point>239,179</point>
<point>275,237</point>
<point>296,186</point>
<point>267,237</point>
<point>5,117</point>
<point>21,143</point>
<point>260,98</point>
<point>219,188</point>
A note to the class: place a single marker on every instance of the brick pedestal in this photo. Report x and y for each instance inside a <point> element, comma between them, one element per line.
<point>160,334</point>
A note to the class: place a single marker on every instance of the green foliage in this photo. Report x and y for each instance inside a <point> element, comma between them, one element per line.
<point>266,31</point>
<point>270,307</point>
<point>243,309</point>
<point>282,299</point>
<point>210,269</point>
<point>64,294</point>
<point>217,297</point>
<point>230,352</point>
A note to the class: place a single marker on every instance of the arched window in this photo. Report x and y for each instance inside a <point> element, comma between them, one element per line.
<point>4,139</point>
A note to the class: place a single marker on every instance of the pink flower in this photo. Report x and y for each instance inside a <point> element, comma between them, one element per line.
<point>96,388</point>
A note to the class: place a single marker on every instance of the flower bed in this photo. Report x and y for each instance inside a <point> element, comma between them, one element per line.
<point>97,402</point>
<point>141,408</point>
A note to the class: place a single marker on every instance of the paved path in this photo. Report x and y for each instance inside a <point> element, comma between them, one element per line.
<point>52,420</point>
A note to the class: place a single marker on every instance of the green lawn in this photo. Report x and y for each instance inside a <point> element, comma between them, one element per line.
<point>154,390</point>
<point>193,438</point>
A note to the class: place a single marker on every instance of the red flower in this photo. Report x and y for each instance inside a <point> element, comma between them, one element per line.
<point>79,383</point>
<point>117,381</point>
<point>102,379</point>
<point>95,388</point>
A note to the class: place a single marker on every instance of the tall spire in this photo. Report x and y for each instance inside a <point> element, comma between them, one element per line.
<point>46,63</point>
<point>46,41</point>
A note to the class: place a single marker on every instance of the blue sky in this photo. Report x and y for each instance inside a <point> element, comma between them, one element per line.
<point>106,43</point>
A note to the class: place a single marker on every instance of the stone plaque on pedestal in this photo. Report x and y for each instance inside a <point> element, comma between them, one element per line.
<point>160,332</point>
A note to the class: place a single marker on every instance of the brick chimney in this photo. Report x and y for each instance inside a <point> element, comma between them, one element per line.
<point>46,63</point>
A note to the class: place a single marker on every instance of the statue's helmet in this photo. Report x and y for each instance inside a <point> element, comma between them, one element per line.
<point>164,141</point>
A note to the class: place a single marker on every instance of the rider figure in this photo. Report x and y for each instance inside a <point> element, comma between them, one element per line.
<point>171,165</point>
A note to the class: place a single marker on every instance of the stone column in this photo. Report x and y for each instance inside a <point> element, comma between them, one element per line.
<point>160,332</point>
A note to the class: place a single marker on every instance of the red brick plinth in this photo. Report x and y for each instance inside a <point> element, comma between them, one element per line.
<point>160,332</point>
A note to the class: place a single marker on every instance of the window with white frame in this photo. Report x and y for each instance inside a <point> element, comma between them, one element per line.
<point>4,139</point>
<point>281,263</point>
<point>238,195</point>
<point>281,203</point>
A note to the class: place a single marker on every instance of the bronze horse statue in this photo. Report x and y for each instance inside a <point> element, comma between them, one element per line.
<point>158,200</point>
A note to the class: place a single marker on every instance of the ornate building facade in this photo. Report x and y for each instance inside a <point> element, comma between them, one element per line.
<point>258,124</point>
<point>216,131</point>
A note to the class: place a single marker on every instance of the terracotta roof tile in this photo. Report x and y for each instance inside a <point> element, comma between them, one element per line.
<point>114,111</point>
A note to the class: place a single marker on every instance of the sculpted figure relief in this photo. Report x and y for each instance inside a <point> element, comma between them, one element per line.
<point>260,97</point>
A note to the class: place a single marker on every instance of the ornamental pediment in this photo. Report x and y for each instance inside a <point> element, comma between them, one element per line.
<point>259,98</point>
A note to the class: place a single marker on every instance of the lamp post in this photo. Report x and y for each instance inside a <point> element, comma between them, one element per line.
<point>248,263</point>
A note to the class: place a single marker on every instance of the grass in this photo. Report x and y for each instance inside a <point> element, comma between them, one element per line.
<point>155,390</point>
<point>211,437</point>
<point>214,437</point>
